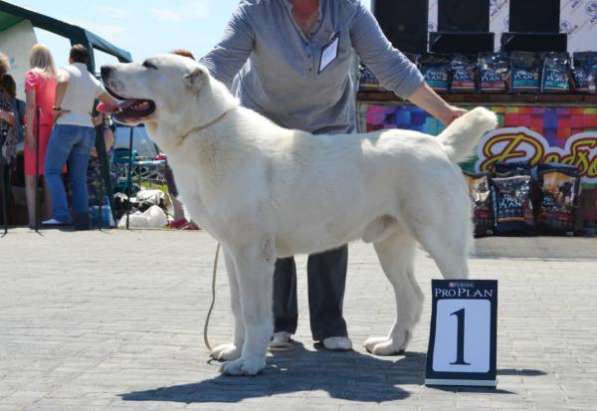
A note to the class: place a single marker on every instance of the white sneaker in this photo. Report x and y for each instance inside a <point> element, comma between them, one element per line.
<point>281,341</point>
<point>52,222</point>
<point>337,344</point>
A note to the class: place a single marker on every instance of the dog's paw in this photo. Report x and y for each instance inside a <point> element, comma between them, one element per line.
<point>388,345</point>
<point>242,366</point>
<point>226,352</point>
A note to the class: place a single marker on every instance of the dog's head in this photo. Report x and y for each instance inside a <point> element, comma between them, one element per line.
<point>166,90</point>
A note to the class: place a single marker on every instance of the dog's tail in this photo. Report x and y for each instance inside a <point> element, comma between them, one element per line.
<point>460,138</point>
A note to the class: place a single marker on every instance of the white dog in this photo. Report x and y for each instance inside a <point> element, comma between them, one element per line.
<point>266,192</point>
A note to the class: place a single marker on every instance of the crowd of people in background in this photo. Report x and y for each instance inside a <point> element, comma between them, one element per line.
<point>56,124</point>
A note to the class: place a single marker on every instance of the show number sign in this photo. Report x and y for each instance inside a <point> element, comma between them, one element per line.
<point>462,341</point>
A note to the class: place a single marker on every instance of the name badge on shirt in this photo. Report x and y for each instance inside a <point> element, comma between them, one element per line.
<point>329,52</point>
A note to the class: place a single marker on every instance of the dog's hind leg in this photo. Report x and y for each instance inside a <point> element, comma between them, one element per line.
<point>396,255</point>
<point>231,351</point>
<point>255,271</point>
<point>448,246</point>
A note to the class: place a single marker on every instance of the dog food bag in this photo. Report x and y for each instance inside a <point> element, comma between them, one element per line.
<point>525,69</point>
<point>513,209</point>
<point>585,71</point>
<point>436,69</point>
<point>493,72</point>
<point>559,194</point>
<point>463,74</point>
<point>555,77</point>
<point>481,197</point>
<point>512,169</point>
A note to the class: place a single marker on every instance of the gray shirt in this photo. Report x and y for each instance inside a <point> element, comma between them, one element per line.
<point>278,65</point>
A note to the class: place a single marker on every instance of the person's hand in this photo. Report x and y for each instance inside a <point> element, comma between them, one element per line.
<point>451,113</point>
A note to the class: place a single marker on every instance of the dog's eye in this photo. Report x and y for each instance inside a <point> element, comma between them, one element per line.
<point>149,65</point>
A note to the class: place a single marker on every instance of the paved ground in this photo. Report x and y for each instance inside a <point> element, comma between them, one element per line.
<point>113,321</point>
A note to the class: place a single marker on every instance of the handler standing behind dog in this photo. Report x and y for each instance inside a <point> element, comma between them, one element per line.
<point>292,60</point>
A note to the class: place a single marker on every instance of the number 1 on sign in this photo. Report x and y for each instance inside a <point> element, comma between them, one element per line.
<point>459,338</point>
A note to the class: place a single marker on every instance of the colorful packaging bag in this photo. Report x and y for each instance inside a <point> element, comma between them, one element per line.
<point>463,74</point>
<point>481,197</point>
<point>493,72</point>
<point>436,69</point>
<point>513,209</point>
<point>524,68</point>
<point>585,71</point>
<point>555,77</point>
<point>559,194</point>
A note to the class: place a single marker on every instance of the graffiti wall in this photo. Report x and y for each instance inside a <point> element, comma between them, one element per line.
<point>566,135</point>
<point>578,18</point>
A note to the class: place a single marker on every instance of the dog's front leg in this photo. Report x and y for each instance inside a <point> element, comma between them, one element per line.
<point>255,268</point>
<point>231,351</point>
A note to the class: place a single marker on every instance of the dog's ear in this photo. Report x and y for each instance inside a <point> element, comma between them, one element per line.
<point>195,79</point>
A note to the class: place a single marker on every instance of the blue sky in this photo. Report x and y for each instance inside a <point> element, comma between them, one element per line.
<point>143,27</point>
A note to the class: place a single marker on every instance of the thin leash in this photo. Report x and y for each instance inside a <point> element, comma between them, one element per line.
<point>213,299</point>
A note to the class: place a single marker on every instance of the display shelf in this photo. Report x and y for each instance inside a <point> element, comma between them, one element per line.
<point>488,98</point>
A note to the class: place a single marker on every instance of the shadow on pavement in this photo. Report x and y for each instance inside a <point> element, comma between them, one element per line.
<point>349,376</point>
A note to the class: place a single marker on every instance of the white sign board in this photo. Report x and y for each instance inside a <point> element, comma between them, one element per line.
<point>462,341</point>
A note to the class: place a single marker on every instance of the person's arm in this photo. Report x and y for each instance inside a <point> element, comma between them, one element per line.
<point>61,86</point>
<point>30,118</point>
<point>393,69</point>
<point>431,102</point>
<point>226,59</point>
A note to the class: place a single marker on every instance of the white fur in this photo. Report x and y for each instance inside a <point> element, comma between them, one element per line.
<point>266,192</point>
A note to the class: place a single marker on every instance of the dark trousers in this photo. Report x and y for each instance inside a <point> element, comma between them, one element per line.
<point>326,275</point>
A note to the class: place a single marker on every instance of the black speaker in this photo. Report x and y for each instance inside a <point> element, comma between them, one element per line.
<point>463,15</point>
<point>467,43</point>
<point>534,42</point>
<point>404,23</point>
<point>537,16</point>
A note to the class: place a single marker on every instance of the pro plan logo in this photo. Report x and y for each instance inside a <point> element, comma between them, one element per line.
<point>519,144</point>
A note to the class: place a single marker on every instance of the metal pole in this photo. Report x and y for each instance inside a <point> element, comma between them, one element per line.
<point>36,197</point>
<point>4,187</point>
<point>129,187</point>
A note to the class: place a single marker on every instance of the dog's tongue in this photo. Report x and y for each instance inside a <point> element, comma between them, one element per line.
<point>107,108</point>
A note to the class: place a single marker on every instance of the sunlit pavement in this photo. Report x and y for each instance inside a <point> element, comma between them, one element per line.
<point>113,320</point>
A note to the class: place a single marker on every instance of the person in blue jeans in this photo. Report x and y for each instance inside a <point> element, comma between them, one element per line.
<point>72,138</point>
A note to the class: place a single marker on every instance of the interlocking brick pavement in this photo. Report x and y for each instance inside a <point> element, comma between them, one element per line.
<point>113,321</point>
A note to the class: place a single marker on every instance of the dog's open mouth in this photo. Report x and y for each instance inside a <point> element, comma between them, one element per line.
<point>131,109</point>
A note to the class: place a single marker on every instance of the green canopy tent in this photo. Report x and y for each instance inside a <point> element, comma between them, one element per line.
<point>11,15</point>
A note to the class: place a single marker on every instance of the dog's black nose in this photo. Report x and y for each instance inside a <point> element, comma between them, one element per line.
<point>106,71</point>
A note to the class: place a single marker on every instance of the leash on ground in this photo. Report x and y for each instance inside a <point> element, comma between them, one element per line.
<point>213,299</point>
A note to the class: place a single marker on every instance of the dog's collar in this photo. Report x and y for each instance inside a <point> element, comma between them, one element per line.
<point>204,126</point>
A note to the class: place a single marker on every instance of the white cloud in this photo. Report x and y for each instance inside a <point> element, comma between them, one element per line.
<point>113,12</point>
<point>182,10</point>
<point>109,32</point>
